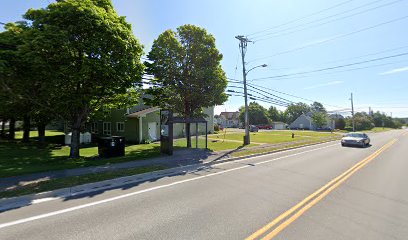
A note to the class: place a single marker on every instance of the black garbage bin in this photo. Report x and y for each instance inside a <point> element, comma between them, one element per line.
<point>119,148</point>
<point>111,146</point>
<point>105,148</point>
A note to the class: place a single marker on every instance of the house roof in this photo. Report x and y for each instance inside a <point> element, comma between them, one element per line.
<point>143,112</point>
<point>188,120</point>
<point>230,115</point>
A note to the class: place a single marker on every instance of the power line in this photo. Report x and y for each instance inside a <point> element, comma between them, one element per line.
<point>349,58</point>
<point>262,92</point>
<point>291,95</point>
<point>268,101</point>
<point>301,18</point>
<point>276,33</point>
<point>334,67</point>
<point>240,94</point>
<point>340,71</point>
<point>276,99</point>
<point>333,38</point>
<point>368,54</point>
<point>283,93</point>
<point>231,80</point>
<point>284,99</point>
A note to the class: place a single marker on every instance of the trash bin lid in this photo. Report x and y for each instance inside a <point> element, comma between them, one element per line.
<point>105,138</point>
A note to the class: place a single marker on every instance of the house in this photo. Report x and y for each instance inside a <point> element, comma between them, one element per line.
<point>229,119</point>
<point>278,125</point>
<point>141,124</point>
<point>305,121</point>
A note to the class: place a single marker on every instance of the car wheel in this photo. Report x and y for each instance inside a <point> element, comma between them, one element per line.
<point>343,145</point>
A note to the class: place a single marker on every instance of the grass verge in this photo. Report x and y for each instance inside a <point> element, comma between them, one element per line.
<point>65,182</point>
<point>380,129</point>
<point>214,144</point>
<point>246,152</point>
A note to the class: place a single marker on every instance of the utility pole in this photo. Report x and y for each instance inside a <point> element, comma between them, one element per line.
<point>243,41</point>
<point>352,111</point>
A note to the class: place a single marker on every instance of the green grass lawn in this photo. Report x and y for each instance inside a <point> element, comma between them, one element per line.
<point>17,158</point>
<point>276,136</point>
<point>246,152</point>
<point>34,134</point>
<point>380,129</point>
<point>213,144</point>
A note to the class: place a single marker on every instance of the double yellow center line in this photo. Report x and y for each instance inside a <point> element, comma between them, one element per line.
<point>285,219</point>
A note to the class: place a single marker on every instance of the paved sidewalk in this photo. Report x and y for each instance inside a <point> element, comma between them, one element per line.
<point>181,157</point>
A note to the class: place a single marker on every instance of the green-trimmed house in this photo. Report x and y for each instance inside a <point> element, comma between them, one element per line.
<point>141,124</point>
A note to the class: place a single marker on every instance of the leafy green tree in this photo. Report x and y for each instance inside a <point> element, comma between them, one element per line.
<point>363,121</point>
<point>382,120</point>
<point>293,111</point>
<point>13,106</point>
<point>317,107</point>
<point>257,114</point>
<point>275,115</point>
<point>92,58</point>
<point>340,123</point>
<point>319,119</point>
<point>24,79</point>
<point>187,73</point>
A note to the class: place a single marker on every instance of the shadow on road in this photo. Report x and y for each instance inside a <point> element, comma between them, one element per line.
<point>181,157</point>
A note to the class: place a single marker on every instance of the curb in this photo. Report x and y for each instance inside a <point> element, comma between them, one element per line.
<point>16,202</point>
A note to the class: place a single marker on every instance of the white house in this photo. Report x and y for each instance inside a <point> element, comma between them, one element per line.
<point>229,119</point>
<point>278,125</point>
<point>305,121</point>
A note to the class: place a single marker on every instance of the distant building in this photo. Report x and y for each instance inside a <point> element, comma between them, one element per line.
<point>305,121</point>
<point>229,119</point>
<point>278,125</point>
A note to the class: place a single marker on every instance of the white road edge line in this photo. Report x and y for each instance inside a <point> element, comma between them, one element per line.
<point>41,216</point>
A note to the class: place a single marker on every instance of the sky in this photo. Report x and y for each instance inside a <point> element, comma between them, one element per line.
<point>315,50</point>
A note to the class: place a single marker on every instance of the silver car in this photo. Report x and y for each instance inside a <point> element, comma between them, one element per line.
<point>355,139</point>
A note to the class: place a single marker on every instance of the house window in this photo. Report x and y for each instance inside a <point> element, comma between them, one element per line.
<point>94,127</point>
<point>106,128</point>
<point>120,126</point>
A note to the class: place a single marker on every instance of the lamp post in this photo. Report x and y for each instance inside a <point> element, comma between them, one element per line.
<point>247,139</point>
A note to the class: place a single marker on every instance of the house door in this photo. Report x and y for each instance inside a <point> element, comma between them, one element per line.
<point>152,130</point>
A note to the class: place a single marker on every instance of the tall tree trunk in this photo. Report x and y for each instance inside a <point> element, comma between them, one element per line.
<point>188,135</point>
<point>74,151</point>
<point>12,128</point>
<point>3,127</point>
<point>41,134</point>
<point>26,128</point>
<point>77,124</point>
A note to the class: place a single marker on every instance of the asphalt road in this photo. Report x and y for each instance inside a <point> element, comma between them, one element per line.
<point>369,200</point>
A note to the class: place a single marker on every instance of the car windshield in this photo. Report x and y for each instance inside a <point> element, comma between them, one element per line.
<point>356,135</point>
